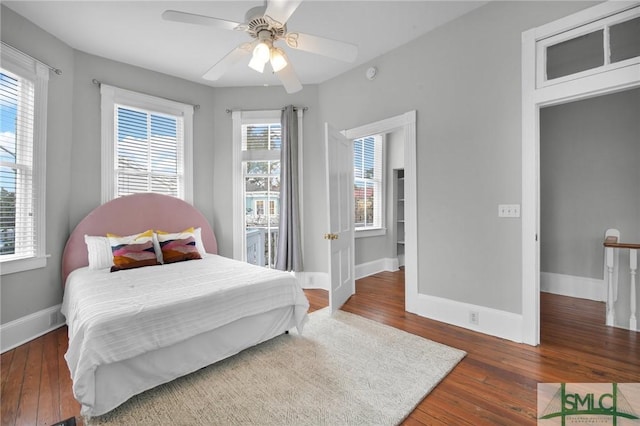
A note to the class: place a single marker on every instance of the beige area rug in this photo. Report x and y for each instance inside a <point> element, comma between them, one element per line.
<point>342,370</point>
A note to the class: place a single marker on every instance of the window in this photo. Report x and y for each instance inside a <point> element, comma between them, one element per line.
<point>260,207</point>
<point>368,166</point>
<point>23,117</point>
<point>261,171</point>
<point>256,177</point>
<point>589,48</point>
<point>146,145</point>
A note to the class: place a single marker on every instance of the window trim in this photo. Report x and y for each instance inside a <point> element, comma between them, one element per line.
<point>25,66</point>
<point>112,96</point>
<point>239,118</point>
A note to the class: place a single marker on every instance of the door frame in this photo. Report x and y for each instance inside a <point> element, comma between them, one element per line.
<point>533,99</point>
<point>407,123</point>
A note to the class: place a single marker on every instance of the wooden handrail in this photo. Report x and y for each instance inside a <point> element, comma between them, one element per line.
<point>613,242</point>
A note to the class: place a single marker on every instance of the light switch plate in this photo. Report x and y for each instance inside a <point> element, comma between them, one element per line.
<point>508,210</point>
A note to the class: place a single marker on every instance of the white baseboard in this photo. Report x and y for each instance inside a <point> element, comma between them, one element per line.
<point>22,330</point>
<point>506,325</point>
<point>320,280</point>
<point>569,285</point>
<point>365,269</point>
<point>313,280</point>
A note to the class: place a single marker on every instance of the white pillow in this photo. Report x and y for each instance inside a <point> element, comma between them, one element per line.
<point>156,247</point>
<point>99,252</point>
<point>197,235</point>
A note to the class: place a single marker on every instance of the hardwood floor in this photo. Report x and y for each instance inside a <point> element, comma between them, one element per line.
<point>495,384</point>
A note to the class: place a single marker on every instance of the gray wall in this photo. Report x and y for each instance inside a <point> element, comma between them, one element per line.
<point>73,151</point>
<point>589,181</point>
<point>27,292</point>
<point>85,156</point>
<point>464,80</point>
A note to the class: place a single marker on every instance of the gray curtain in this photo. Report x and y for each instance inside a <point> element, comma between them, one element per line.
<point>289,254</point>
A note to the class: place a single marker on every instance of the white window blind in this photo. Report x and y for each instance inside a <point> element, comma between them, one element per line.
<point>368,182</point>
<point>23,85</point>
<point>146,145</point>
<point>149,150</point>
<point>258,137</point>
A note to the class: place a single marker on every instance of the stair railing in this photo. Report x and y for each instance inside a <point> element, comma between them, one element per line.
<point>611,244</point>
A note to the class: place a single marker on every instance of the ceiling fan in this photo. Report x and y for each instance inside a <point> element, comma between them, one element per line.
<point>267,25</point>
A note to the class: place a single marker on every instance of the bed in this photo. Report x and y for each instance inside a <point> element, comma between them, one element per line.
<point>134,329</point>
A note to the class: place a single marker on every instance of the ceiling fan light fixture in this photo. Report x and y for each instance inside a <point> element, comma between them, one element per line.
<point>278,59</point>
<point>257,64</point>
<point>262,52</point>
<point>261,55</point>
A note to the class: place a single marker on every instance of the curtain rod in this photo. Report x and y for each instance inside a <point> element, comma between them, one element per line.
<point>98,82</point>
<point>295,108</point>
<point>57,71</point>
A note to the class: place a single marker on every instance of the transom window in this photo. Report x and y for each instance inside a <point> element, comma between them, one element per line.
<point>599,46</point>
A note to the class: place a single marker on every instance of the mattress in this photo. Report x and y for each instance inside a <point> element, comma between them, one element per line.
<point>120,316</point>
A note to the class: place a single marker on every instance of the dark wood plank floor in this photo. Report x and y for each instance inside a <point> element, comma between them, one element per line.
<point>495,384</point>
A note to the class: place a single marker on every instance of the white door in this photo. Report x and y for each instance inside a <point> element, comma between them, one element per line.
<point>339,236</point>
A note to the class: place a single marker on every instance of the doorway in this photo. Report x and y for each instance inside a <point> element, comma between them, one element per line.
<point>538,91</point>
<point>589,177</point>
<point>402,129</point>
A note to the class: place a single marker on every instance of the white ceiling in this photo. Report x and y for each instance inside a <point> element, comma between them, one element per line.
<point>134,32</point>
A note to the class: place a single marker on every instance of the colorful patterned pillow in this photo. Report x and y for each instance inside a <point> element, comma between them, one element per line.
<point>179,246</point>
<point>133,251</point>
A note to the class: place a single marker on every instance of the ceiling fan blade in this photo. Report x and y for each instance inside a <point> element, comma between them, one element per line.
<point>289,79</point>
<point>323,46</point>
<point>191,18</point>
<point>218,70</point>
<point>281,10</point>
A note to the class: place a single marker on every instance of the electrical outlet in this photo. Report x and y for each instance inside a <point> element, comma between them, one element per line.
<point>508,210</point>
<point>474,317</point>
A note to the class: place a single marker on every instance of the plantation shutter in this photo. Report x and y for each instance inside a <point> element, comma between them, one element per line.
<point>367,174</point>
<point>148,152</point>
<point>18,230</point>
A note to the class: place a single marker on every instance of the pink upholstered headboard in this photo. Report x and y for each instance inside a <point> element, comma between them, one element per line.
<point>132,214</point>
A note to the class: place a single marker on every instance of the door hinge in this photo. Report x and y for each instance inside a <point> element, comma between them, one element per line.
<point>330,236</point>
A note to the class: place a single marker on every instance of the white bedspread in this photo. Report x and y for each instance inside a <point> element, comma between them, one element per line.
<point>116,316</point>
